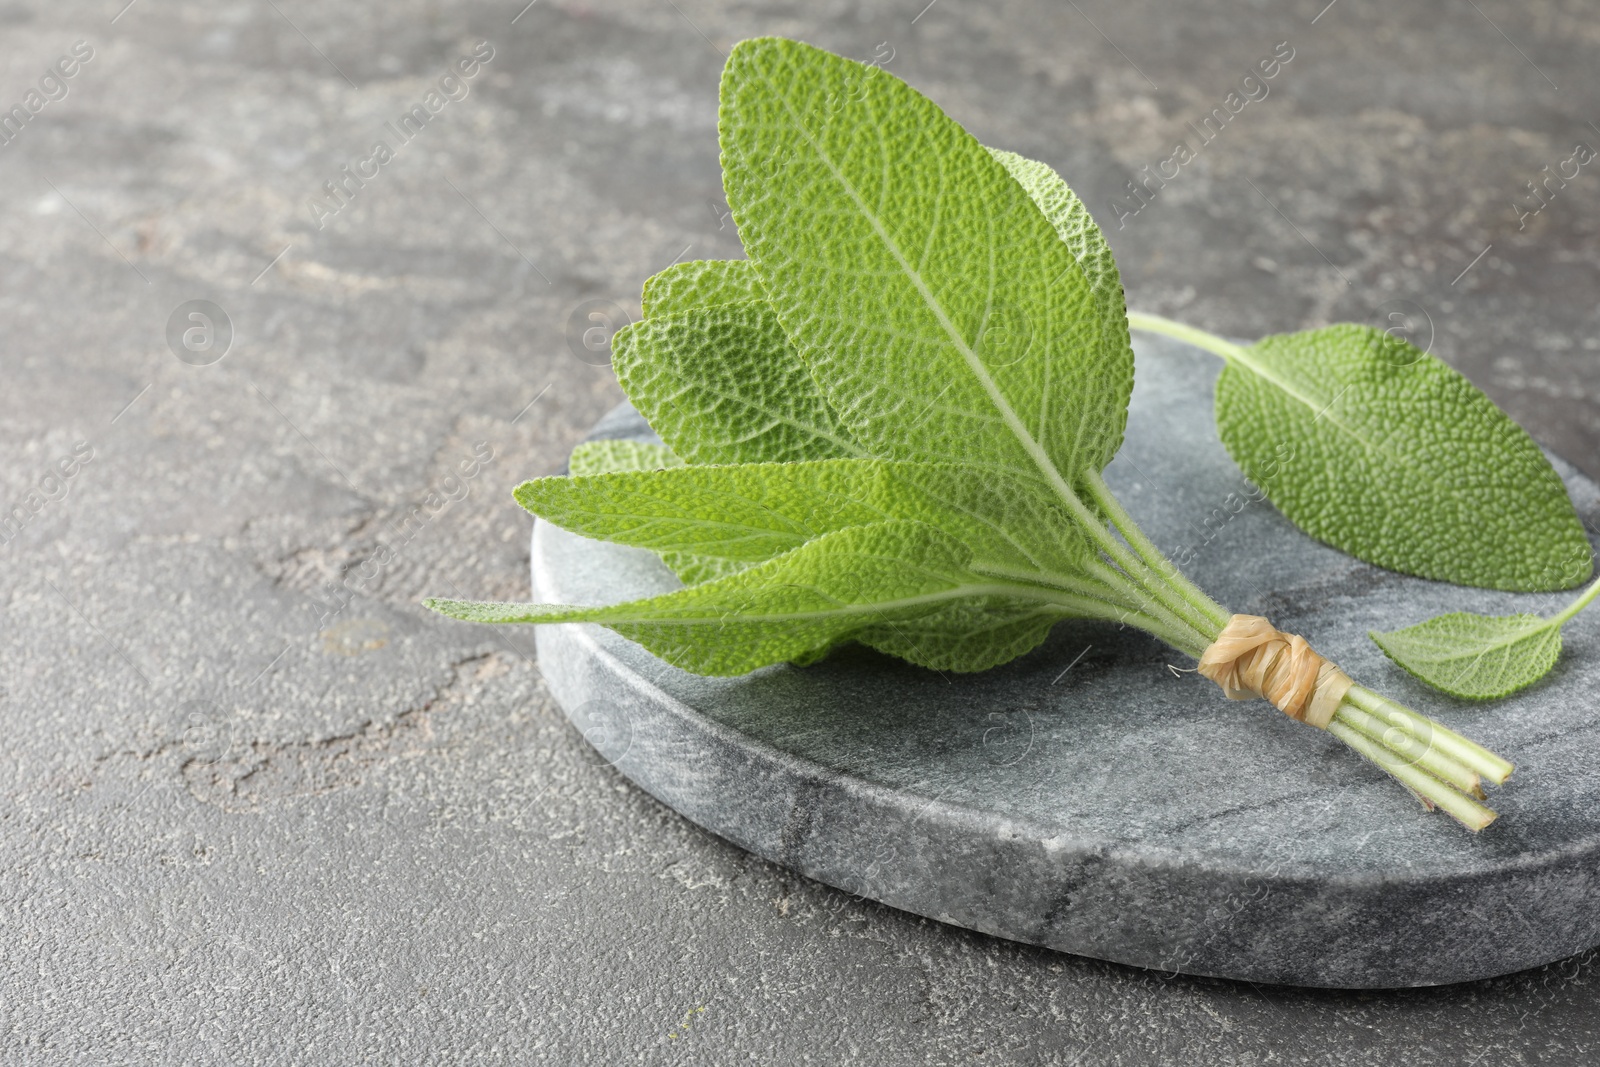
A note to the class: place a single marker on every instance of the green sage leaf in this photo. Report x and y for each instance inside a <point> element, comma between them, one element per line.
<point>1385,452</point>
<point>708,522</point>
<point>939,310</point>
<point>692,569</point>
<point>966,635</point>
<point>701,283</point>
<point>747,513</point>
<point>721,385</point>
<point>1077,228</point>
<point>1475,657</point>
<point>605,457</point>
<point>863,577</point>
<point>744,513</point>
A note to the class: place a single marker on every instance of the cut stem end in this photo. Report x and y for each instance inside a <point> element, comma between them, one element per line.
<point>1436,765</point>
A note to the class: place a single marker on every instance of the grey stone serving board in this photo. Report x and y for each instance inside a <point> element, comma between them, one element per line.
<point>1086,798</point>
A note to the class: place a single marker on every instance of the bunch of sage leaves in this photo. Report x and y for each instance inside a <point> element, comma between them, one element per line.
<point>888,424</point>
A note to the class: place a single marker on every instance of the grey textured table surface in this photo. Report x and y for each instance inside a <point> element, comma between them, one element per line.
<point>261,808</point>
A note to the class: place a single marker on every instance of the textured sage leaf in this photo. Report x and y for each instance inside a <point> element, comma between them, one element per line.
<point>693,569</point>
<point>1072,221</point>
<point>707,522</point>
<point>701,283</point>
<point>615,457</point>
<point>858,578</point>
<point>1387,453</point>
<point>939,310</point>
<point>747,513</point>
<point>605,457</point>
<point>721,384</point>
<point>966,635</point>
<point>1475,657</point>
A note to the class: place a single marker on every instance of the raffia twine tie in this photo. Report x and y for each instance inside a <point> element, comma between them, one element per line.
<point>1253,658</point>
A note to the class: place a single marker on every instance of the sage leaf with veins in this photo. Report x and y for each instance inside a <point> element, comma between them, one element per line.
<point>1481,657</point>
<point>751,512</point>
<point>710,521</point>
<point>753,398</point>
<point>834,585</point>
<point>1475,657</point>
<point>1397,458</point>
<point>891,244</point>
<point>605,457</point>
<point>893,417</point>
<point>1077,230</point>
<point>701,283</point>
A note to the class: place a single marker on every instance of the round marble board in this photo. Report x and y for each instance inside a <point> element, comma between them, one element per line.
<point>1086,798</point>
